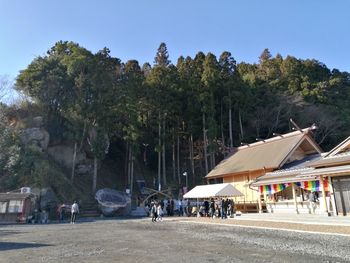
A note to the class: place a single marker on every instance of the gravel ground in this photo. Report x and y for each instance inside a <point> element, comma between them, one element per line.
<point>174,240</point>
<point>330,229</point>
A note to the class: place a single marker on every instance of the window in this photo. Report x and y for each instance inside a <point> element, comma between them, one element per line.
<point>15,206</point>
<point>3,206</point>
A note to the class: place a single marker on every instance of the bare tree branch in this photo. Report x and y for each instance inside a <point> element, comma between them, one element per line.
<point>6,89</point>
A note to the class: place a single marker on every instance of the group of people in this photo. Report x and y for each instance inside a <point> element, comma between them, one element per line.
<point>156,212</point>
<point>171,207</point>
<point>220,208</point>
<point>73,209</point>
<point>214,208</point>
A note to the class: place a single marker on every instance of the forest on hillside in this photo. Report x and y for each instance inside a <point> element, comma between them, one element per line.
<point>168,117</point>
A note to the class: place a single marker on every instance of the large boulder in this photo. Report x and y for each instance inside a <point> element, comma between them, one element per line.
<point>63,154</point>
<point>38,136</point>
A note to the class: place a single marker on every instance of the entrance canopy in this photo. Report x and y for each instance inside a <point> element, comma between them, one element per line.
<point>213,190</point>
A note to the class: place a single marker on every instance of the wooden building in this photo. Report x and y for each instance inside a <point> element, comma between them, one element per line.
<point>327,176</point>
<point>251,161</point>
<point>15,207</point>
<point>335,166</point>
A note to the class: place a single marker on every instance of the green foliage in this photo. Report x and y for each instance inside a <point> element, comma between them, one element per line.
<point>97,97</point>
<point>23,164</point>
<point>162,57</point>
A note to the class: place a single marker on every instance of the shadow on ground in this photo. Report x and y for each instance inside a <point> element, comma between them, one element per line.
<point>18,245</point>
<point>9,233</point>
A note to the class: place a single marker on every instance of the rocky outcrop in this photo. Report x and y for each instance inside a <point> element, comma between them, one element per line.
<point>37,136</point>
<point>63,154</point>
<point>60,153</point>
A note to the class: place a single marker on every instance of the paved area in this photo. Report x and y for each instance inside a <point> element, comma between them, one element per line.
<point>298,218</point>
<point>301,227</point>
<point>312,224</point>
<point>172,240</point>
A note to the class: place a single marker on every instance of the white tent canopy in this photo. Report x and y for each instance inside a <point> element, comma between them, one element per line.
<point>213,190</point>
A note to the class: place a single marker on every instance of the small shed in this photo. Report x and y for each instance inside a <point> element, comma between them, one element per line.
<point>15,207</point>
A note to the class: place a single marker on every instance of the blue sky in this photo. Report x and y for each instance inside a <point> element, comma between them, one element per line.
<point>133,29</point>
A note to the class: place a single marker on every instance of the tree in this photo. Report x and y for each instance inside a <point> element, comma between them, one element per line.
<point>162,56</point>
<point>9,144</point>
<point>46,82</point>
<point>134,105</point>
<point>265,56</point>
<point>6,89</point>
<point>228,81</point>
<point>179,110</point>
<point>102,98</point>
<point>162,84</point>
<point>77,90</point>
<point>210,80</point>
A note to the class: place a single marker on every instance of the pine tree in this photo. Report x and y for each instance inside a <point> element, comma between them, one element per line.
<point>162,56</point>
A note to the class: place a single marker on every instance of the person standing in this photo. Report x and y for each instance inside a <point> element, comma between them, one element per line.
<point>206,208</point>
<point>60,213</point>
<point>229,209</point>
<point>180,207</point>
<point>188,208</point>
<point>222,208</point>
<point>312,201</point>
<point>233,207</point>
<point>226,207</point>
<point>169,207</point>
<point>74,211</point>
<point>212,208</point>
<point>172,206</point>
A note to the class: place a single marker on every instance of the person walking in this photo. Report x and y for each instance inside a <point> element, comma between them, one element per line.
<point>154,212</point>
<point>74,211</point>
<point>159,213</point>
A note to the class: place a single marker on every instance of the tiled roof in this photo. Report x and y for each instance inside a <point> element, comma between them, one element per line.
<point>340,158</point>
<point>267,154</point>
<point>293,168</point>
<point>297,164</point>
<point>340,147</point>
